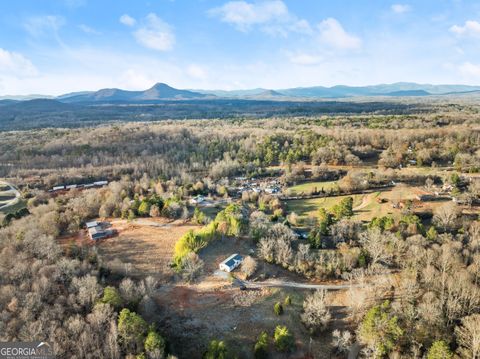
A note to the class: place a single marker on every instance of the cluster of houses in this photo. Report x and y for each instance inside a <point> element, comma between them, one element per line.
<point>270,186</point>
<point>97,230</point>
<point>79,186</point>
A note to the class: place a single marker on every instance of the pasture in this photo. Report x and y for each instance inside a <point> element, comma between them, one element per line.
<point>308,187</point>
<point>369,205</point>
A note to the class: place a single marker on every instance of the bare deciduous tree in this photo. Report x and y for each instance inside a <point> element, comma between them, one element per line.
<point>342,341</point>
<point>316,315</point>
<point>446,216</point>
<point>249,266</point>
<point>468,334</point>
<point>378,245</point>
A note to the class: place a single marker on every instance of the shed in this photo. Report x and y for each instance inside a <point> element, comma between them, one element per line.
<point>91,224</point>
<point>231,262</point>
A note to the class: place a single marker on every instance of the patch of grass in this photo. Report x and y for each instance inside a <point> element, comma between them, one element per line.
<point>307,207</point>
<point>12,209</point>
<point>310,186</point>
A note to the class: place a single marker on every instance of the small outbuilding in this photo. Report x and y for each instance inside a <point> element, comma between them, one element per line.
<point>197,200</point>
<point>231,263</point>
<point>92,224</point>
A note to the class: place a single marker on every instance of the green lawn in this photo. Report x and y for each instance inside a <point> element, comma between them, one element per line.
<point>307,207</point>
<point>310,186</point>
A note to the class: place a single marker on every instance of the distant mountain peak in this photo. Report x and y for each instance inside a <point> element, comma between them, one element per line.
<point>159,91</point>
<point>160,86</point>
<point>271,93</point>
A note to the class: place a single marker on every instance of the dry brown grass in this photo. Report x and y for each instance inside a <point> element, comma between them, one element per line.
<point>143,250</point>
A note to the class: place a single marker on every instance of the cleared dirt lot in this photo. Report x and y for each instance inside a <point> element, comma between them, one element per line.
<point>213,308</point>
<point>143,248</point>
<point>191,316</point>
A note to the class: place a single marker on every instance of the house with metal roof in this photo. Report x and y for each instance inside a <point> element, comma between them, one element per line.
<point>231,263</point>
<point>91,224</point>
<point>96,233</point>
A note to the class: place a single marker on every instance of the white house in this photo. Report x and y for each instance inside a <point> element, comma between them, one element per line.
<point>231,262</point>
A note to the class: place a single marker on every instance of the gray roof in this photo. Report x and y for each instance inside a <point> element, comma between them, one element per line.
<point>91,224</point>
<point>230,261</point>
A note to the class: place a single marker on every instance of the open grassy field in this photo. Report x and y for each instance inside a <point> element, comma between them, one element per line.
<point>366,206</point>
<point>310,186</point>
<point>310,207</point>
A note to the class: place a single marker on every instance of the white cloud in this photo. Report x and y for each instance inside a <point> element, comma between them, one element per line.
<point>272,16</point>
<point>15,64</point>
<point>304,59</point>
<point>243,15</point>
<point>333,34</point>
<point>155,34</point>
<point>127,20</point>
<point>400,8</point>
<point>470,28</point>
<point>40,25</point>
<point>197,72</point>
<point>88,30</point>
<point>469,69</point>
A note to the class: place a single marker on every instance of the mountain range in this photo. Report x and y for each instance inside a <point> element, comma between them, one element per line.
<point>162,92</point>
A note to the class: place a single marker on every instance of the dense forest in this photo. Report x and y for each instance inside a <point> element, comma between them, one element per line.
<point>39,113</point>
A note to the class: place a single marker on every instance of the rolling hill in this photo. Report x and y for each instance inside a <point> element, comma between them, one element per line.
<point>159,91</point>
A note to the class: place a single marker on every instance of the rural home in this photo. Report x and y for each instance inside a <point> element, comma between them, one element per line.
<point>96,231</point>
<point>231,262</point>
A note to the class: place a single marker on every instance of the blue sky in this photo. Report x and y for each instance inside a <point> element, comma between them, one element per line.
<point>54,47</point>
